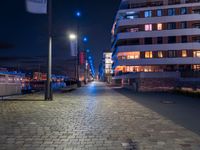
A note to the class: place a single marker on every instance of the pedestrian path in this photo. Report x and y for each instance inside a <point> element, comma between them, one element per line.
<point>93,117</point>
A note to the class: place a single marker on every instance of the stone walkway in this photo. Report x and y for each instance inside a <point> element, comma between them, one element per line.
<point>93,117</point>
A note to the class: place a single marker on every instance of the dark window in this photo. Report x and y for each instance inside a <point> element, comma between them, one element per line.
<point>183,25</point>
<point>171,25</point>
<point>131,42</point>
<point>148,40</point>
<point>159,12</point>
<point>172,2</point>
<point>183,10</point>
<point>171,12</point>
<point>171,39</point>
<point>171,53</point>
<point>196,39</point>
<point>196,25</point>
<point>159,40</point>
<point>184,39</point>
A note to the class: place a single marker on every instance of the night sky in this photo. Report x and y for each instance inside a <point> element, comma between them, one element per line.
<point>24,38</point>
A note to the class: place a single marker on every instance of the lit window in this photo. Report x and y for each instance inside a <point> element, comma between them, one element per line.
<point>160,54</point>
<point>159,12</point>
<point>147,13</point>
<point>134,55</point>
<point>129,55</point>
<point>128,68</point>
<point>129,17</point>
<point>159,26</point>
<point>123,57</point>
<point>196,53</point>
<point>131,68</point>
<point>184,53</point>
<point>149,54</point>
<point>148,27</point>
<point>196,67</point>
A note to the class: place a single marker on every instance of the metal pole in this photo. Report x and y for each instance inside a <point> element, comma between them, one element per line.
<point>75,71</point>
<point>78,55</point>
<point>85,66</point>
<point>49,94</point>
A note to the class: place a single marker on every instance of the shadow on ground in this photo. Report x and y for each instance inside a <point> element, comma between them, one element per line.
<point>180,109</point>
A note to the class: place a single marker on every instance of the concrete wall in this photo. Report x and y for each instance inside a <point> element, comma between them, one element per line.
<point>10,89</point>
<point>160,81</point>
<point>159,84</point>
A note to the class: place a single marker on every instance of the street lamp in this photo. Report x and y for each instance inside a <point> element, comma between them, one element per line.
<point>78,14</point>
<point>72,36</point>
<point>85,39</point>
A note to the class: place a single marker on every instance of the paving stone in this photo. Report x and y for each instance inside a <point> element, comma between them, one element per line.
<point>93,117</point>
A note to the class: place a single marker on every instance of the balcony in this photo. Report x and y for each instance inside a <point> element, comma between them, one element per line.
<point>159,61</point>
<point>155,20</point>
<point>192,1</point>
<point>129,36</point>
<point>196,11</point>
<point>157,47</point>
<point>131,5</point>
<point>173,2</point>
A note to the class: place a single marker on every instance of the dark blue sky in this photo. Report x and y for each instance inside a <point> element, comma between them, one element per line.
<point>26,34</point>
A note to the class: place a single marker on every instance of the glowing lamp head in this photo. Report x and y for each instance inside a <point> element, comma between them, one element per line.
<point>72,36</point>
<point>78,14</point>
<point>85,39</point>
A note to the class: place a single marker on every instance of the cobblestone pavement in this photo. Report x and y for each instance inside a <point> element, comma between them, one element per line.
<point>93,117</point>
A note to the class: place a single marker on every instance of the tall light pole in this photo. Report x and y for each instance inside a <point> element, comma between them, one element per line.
<point>48,92</point>
<point>78,15</point>
<point>73,38</point>
<point>85,40</point>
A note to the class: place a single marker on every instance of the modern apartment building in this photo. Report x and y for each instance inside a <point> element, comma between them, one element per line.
<point>105,70</point>
<point>156,39</point>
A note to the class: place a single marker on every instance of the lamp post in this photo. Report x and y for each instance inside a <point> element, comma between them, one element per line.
<point>85,40</point>
<point>78,15</point>
<point>49,92</point>
<point>73,38</point>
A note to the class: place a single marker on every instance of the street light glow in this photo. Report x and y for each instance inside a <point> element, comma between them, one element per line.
<point>72,36</point>
<point>85,39</point>
<point>78,13</point>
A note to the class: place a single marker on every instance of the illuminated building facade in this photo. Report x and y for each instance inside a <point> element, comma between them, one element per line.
<point>157,36</point>
<point>106,67</point>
